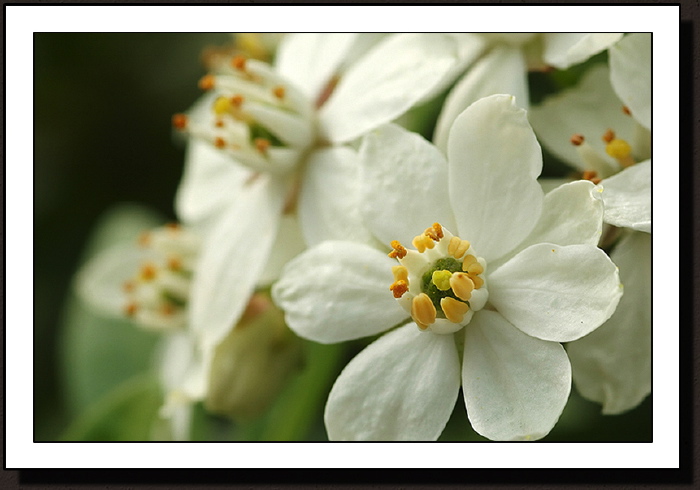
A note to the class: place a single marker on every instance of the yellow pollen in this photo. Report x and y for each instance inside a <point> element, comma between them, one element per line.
<point>262,145</point>
<point>453,309</point>
<point>462,285</point>
<point>147,272</point>
<point>222,105</point>
<point>279,92</point>
<point>179,121</point>
<point>621,151</point>
<point>457,247</point>
<point>577,139</point>
<point>435,232</point>
<point>441,279</point>
<point>421,242</point>
<point>238,62</point>
<point>400,273</point>
<point>398,252</point>
<point>399,288</point>
<point>423,311</point>
<point>608,136</point>
<point>475,268</point>
<point>468,260</point>
<point>206,82</point>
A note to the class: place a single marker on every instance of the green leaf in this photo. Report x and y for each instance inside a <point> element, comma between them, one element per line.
<point>125,414</point>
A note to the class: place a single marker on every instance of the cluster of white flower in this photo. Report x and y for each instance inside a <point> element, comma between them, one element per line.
<point>309,208</point>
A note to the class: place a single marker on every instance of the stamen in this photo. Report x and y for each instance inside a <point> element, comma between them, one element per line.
<point>279,92</point>
<point>206,82</point>
<point>591,158</point>
<point>468,260</point>
<point>421,242</point>
<point>398,252</point>
<point>435,232</point>
<point>423,311</point>
<point>441,279</point>
<point>130,309</point>
<point>478,281</point>
<point>179,121</point>
<point>626,110</point>
<point>147,272</point>
<point>174,264</point>
<point>608,136</point>
<point>475,268</point>
<point>167,309</point>
<point>400,273</point>
<point>219,142</point>
<point>592,176</point>
<point>222,105</point>
<point>262,145</point>
<point>144,239</point>
<point>577,139</point>
<point>173,226</point>
<point>462,285</point>
<point>237,100</point>
<point>239,62</point>
<point>399,288</point>
<point>453,309</point>
<point>128,286</point>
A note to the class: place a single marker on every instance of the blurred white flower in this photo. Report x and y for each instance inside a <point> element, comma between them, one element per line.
<point>270,142</point>
<point>488,313</point>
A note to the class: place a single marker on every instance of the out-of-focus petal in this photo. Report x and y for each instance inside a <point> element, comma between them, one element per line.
<point>563,49</point>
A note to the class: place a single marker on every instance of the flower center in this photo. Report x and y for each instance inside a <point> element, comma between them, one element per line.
<point>624,153</point>
<point>157,294</point>
<point>441,282</point>
<point>253,114</point>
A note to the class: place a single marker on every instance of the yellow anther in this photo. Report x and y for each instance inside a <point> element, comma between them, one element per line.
<point>147,272</point>
<point>468,260</point>
<point>621,151</point>
<point>262,145</point>
<point>453,309</point>
<point>398,252</point>
<point>462,285</point>
<point>441,279</point>
<point>478,281</point>
<point>421,242</point>
<point>399,288</point>
<point>279,92</point>
<point>222,105</point>
<point>457,247</point>
<point>475,268</point>
<point>400,273</point>
<point>423,311</point>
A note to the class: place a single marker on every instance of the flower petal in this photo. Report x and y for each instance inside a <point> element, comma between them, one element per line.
<point>563,49</point>
<point>210,182</point>
<point>589,109</point>
<point>233,258</point>
<point>404,184</point>
<point>309,60</point>
<point>338,291</point>
<point>572,214</point>
<point>630,74</point>
<point>402,387</point>
<point>612,365</point>
<point>515,386</point>
<point>627,197</point>
<point>288,244</point>
<point>329,200</point>
<point>494,160</point>
<point>556,293</point>
<point>385,83</point>
<point>501,71</point>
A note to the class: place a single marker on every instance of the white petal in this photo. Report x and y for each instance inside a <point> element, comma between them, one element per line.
<point>501,71</point>
<point>210,182</point>
<point>494,160</point>
<point>402,387</point>
<point>338,291</point>
<point>612,365</point>
<point>627,197</point>
<point>309,60</point>
<point>562,50</point>
<point>288,244</point>
<point>589,109</point>
<point>515,386</point>
<point>572,214</point>
<point>404,185</point>
<point>385,83</point>
<point>233,258</point>
<point>556,293</point>
<point>329,207</point>
<point>630,74</point>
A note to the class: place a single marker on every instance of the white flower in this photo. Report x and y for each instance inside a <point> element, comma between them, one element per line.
<point>488,313</point>
<point>270,141</point>
<point>504,62</point>
<point>613,364</point>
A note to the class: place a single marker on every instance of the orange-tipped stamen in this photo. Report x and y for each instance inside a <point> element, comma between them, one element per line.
<point>179,121</point>
<point>398,252</point>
